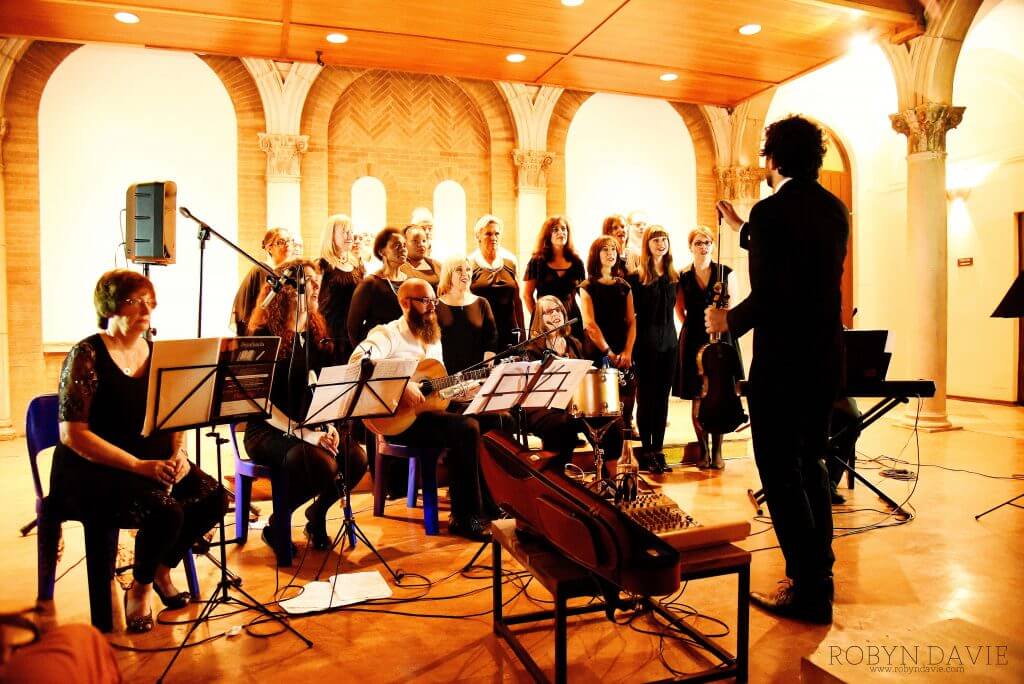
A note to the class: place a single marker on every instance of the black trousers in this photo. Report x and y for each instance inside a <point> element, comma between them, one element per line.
<point>559,432</point>
<point>168,522</point>
<point>790,434</point>
<point>654,373</point>
<point>311,469</point>
<point>461,436</point>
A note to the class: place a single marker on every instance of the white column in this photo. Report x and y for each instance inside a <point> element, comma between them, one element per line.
<point>531,198</point>
<point>6,428</point>
<point>284,199</point>
<point>925,127</point>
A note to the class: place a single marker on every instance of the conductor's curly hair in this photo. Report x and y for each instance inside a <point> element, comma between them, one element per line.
<point>796,146</point>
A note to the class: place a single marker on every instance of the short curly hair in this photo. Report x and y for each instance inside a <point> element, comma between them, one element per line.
<point>796,146</point>
<point>115,286</point>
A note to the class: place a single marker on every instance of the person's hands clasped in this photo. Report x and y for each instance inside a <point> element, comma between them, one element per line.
<point>622,361</point>
<point>163,471</point>
<point>329,440</point>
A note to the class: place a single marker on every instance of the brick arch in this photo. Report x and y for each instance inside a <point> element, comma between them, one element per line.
<point>30,373</point>
<point>411,125</point>
<point>706,158</point>
<point>252,164</point>
<point>558,132</point>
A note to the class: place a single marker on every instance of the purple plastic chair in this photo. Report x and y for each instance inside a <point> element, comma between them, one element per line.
<point>41,433</point>
<point>422,463</point>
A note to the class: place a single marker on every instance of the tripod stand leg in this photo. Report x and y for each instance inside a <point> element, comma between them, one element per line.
<point>1010,502</point>
<point>483,547</point>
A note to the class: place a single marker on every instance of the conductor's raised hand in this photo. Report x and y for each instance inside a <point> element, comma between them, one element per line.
<point>728,214</point>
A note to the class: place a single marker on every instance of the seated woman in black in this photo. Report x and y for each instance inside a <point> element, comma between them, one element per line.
<point>557,428</point>
<point>310,456</point>
<point>105,469</point>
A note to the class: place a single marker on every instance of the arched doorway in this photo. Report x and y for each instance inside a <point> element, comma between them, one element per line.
<point>837,178</point>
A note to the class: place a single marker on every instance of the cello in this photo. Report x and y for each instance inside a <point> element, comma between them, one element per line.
<point>719,409</point>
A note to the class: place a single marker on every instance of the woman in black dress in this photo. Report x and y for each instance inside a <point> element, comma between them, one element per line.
<point>615,226</point>
<point>418,262</point>
<point>468,332</point>
<point>494,279</point>
<point>606,304</point>
<point>559,430</point>
<point>556,270</point>
<point>656,349</point>
<point>375,300</point>
<point>693,294</point>
<point>280,246</point>
<point>103,466</point>
<point>341,274</point>
<point>310,456</point>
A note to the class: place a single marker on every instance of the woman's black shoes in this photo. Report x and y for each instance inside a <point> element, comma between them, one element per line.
<point>266,537</point>
<point>179,600</point>
<point>659,458</point>
<point>140,623</point>
<point>316,531</point>
<point>472,527</point>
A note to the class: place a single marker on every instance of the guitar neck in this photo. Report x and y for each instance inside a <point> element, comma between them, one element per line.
<point>438,384</point>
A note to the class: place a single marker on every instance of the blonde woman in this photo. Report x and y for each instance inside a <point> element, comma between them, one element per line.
<point>340,275</point>
<point>494,279</point>
<point>468,331</point>
<point>656,349</point>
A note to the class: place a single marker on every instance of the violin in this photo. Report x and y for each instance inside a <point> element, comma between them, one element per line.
<point>719,409</point>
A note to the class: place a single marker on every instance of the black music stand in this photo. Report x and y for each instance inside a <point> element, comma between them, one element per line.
<point>348,398</point>
<point>1011,306</point>
<point>222,373</point>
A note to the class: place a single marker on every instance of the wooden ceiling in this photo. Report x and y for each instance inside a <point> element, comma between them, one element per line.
<point>607,45</point>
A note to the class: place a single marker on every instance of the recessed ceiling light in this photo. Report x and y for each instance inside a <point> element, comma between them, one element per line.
<point>127,17</point>
<point>750,29</point>
<point>516,58</point>
<point>572,3</point>
<point>337,38</point>
<point>669,77</point>
<point>861,41</point>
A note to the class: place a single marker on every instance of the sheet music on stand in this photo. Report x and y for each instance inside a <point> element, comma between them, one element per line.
<point>505,385</point>
<point>335,391</point>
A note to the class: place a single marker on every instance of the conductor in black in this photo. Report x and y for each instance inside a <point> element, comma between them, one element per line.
<point>797,242</point>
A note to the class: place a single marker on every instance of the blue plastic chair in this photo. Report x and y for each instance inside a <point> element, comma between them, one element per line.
<point>41,432</point>
<point>245,472</point>
<point>422,466</point>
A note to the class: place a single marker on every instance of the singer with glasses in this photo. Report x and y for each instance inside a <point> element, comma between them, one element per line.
<point>494,279</point>
<point>105,469</point>
<point>280,247</point>
<point>310,456</point>
<point>558,430</point>
<point>693,294</point>
<point>341,274</point>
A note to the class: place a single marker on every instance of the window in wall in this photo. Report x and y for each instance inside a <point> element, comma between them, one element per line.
<point>449,220</point>
<point>615,166</point>
<point>111,116</point>
<point>369,205</point>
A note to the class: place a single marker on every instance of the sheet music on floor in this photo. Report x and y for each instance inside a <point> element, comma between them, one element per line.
<point>334,390</point>
<point>337,591</point>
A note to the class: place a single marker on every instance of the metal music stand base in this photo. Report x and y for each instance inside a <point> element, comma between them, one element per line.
<point>1010,502</point>
<point>220,595</point>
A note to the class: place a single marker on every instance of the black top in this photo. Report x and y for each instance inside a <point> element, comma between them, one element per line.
<point>609,300</point>
<point>246,298</point>
<point>797,242</point>
<point>94,390</point>
<point>336,289</point>
<point>693,336</point>
<point>560,283</point>
<point>466,333</point>
<point>432,276</point>
<point>501,290</point>
<point>573,350</point>
<point>374,303</point>
<point>654,305</point>
<point>290,391</point>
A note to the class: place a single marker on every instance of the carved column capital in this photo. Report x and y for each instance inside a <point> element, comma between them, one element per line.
<point>926,124</point>
<point>283,154</point>
<point>532,167</point>
<point>740,182</point>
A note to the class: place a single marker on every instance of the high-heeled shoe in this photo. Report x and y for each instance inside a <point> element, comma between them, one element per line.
<point>265,535</point>
<point>179,600</point>
<point>316,532</point>
<point>139,623</point>
<point>659,457</point>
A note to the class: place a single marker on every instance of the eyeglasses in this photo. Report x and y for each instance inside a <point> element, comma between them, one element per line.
<point>428,302</point>
<point>282,243</point>
<point>136,301</point>
<point>702,243</point>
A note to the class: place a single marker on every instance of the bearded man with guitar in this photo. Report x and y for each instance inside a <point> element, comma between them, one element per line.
<point>422,420</point>
<point>797,243</point>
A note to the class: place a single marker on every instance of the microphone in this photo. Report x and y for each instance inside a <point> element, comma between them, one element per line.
<point>188,214</point>
<point>275,287</point>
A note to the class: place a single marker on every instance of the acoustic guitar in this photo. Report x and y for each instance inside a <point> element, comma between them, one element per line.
<point>438,389</point>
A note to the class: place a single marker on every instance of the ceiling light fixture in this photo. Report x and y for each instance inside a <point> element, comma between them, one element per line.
<point>750,29</point>
<point>126,17</point>
<point>861,41</point>
<point>669,77</point>
<point>572,3</point>
<point>337,38</point>
<point>515,58</point>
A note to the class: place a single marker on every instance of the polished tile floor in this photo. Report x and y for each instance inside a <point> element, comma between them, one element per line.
<point>892,582</point>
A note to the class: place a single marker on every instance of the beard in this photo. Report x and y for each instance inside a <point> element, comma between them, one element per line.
<point>424,326</point>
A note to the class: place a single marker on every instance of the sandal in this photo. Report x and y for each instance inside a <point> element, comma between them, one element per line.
<point>139,623</point>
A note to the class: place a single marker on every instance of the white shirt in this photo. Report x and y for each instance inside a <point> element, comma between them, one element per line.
<point>395,340</point>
